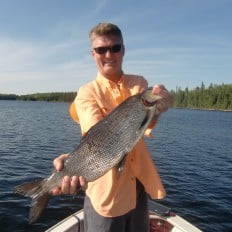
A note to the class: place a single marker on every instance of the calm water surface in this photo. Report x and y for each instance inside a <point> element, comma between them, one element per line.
<point>192,150</point>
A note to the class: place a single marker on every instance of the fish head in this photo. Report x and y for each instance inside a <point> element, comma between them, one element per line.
<point>149,99</point>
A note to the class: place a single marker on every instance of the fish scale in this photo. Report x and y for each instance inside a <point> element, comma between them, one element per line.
<point>103,147</point>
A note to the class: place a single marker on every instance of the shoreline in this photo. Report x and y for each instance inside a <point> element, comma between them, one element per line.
<point>176,107</point>
<point>207,109</point>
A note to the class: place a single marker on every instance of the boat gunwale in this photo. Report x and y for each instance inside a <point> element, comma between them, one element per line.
<point>179,224</point>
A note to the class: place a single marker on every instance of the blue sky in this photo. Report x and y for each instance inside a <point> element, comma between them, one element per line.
<point>44,45</point>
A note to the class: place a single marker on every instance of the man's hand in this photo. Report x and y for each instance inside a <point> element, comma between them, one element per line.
<point>69,184</point>
<point>166,100</point>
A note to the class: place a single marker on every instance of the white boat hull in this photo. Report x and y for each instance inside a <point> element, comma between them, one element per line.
<point>168,222</point>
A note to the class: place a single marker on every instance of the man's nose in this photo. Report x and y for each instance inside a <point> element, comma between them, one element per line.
<point>108,53</point>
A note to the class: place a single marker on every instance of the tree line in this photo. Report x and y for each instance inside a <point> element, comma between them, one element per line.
<point>8,96</point>
<point>218,97</point>
<point>55,97</point>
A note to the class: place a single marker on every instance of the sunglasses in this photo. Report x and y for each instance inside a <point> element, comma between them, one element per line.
<point>112,49</point>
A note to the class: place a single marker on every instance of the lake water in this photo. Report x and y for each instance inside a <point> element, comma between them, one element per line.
<point>192,150</point>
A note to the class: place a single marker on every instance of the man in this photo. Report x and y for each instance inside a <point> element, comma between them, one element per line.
<point>114,202</point>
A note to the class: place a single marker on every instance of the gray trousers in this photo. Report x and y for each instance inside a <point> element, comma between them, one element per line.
<point>135,220</point>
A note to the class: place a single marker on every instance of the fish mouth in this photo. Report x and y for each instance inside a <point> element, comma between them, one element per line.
<point>148,103</point>
<point>148,98</point>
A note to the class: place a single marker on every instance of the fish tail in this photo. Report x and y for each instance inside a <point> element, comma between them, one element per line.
<point>39,195</point>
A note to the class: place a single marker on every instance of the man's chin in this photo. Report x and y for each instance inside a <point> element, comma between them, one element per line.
<point>110,71</point>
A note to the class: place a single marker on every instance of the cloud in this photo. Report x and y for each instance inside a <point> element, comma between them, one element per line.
<point>100,5</point>
<point>16,56</point>
<point>27,67</point>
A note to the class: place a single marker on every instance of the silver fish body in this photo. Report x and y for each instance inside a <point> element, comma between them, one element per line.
<point>103,147</point>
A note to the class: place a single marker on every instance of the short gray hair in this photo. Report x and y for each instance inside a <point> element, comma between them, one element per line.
<point>107,29</point>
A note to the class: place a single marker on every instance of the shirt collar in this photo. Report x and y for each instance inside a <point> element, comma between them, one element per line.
<point>108,83</point>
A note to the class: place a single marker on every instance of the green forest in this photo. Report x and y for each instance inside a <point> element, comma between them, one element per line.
<point>214,97</point>
<point>56,96</point>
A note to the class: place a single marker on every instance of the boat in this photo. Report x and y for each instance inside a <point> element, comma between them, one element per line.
<point>162,219</point>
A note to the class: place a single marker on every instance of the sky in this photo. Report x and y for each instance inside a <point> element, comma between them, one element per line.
<point>44,44</point>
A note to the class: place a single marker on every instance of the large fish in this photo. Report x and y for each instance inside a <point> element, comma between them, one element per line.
<point>103,147</point>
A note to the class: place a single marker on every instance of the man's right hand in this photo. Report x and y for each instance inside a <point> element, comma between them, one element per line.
<point>69,184</point>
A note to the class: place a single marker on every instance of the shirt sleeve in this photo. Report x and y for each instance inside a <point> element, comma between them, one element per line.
<point>88,111</point>
<point>136,84</point>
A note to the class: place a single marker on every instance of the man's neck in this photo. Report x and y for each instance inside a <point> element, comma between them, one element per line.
<point>114,77</point>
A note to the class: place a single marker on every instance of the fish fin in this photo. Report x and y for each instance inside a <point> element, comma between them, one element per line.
<point>37,206</point>
<point>146,118</point>
<point>28,188</point>
<point>120,165</point>
<point>39,195</point>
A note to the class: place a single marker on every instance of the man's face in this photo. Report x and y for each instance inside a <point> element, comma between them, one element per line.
<point>109,63</point>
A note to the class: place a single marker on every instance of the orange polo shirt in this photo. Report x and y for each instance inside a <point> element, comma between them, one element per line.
<point>114,194</point>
